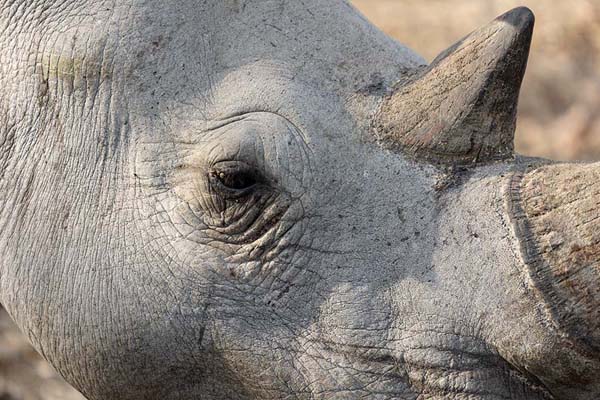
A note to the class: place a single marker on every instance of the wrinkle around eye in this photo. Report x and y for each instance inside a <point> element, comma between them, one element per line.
<point>243,215</point>
<point>253,225</point>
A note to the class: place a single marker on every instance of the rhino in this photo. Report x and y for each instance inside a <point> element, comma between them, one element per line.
<point>271,199</point>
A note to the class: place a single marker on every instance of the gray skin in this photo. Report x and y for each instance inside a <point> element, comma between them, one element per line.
<point>197,201</point>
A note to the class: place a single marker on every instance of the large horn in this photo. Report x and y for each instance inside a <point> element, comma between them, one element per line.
<point>462,108</point>
<point>556,212</point>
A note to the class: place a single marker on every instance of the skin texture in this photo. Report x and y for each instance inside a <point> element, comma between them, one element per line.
<point>194,203</point>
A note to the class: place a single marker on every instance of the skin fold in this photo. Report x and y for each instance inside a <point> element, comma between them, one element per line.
<point>221,200</point>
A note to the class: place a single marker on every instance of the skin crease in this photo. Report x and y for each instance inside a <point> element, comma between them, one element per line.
<point>142,267</point>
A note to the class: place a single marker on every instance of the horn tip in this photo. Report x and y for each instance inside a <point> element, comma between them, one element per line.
<point>521,18</point>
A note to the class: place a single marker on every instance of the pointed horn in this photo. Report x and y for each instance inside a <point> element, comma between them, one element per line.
<point>462,108</point>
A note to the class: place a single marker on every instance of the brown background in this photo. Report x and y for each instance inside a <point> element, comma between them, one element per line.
<point>559,115</point>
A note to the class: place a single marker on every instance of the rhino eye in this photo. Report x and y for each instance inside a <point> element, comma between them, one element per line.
<point>233,179</point>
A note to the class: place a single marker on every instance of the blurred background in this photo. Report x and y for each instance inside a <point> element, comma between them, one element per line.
<point>559,115</point>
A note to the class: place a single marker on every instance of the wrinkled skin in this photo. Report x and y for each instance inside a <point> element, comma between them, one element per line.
<point>193,206</point>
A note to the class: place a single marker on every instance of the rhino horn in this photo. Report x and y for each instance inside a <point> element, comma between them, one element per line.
<point>462,108</point>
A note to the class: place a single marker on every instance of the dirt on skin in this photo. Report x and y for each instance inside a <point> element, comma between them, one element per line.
<point>559,116</point>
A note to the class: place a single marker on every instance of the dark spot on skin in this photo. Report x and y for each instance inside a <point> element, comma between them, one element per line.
<point>65,220</point>
<point>401,214</point>
<point>201,336</point>
<point>157,42</point>
<point>375,85</point>
<point>284,291</point>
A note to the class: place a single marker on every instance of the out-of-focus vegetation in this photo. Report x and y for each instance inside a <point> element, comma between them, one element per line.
<point>559,116</point>
<point>559,112</point>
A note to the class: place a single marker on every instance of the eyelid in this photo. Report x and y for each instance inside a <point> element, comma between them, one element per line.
<point>231,165</point>
<point>224,166</point>
<point>236,166</point>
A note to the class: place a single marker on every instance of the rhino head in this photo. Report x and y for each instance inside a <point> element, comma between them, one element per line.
<point>273,200</point>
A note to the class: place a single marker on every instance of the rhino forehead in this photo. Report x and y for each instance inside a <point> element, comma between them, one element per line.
<point>159,46</point>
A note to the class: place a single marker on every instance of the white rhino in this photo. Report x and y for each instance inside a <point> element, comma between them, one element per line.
<point>270,199</point>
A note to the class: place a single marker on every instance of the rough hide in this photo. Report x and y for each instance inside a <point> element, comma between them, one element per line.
<point>273,200</point>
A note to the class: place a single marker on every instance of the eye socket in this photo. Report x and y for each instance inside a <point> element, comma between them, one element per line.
<point>233,178</point>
